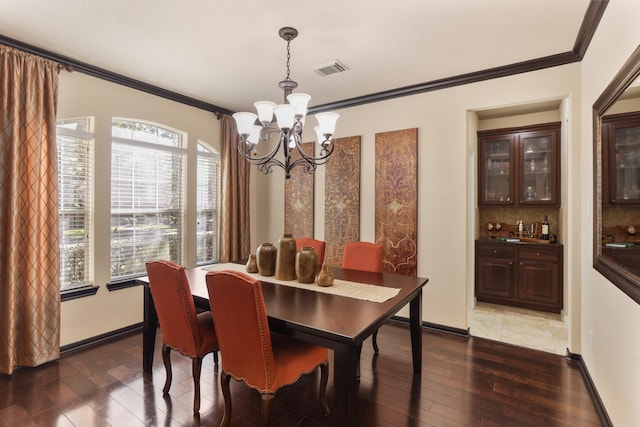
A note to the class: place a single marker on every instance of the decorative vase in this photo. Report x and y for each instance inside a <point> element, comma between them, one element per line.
<point>286,258</point>
<point>306,265</point>
<point>266,259</point>
<point>252,264</point>
<point>325,278</point>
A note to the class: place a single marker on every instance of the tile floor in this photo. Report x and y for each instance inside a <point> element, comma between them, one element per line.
<point>526,328</point>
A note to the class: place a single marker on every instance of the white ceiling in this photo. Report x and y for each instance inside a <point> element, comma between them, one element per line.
<point>228,53</point>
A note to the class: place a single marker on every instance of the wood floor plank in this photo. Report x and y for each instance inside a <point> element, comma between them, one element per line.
<point>464,382</point>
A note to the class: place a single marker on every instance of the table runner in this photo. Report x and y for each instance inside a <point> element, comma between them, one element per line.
<point>343,288</point>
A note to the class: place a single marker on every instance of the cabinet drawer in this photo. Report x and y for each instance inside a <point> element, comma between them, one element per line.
<point>539,254</point>
<point>495,251</point>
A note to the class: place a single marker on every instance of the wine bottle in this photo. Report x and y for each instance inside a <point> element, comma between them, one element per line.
<point>545,229</point>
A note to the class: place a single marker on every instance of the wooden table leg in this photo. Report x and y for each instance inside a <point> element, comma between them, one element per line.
<point>150,324</point>
<point>345,386</point>
<point>415,320</point>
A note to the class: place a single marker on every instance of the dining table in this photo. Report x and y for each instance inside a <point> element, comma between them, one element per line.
<point>328,317</point>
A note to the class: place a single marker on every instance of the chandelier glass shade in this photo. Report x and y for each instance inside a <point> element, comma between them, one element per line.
<point>287,127</point>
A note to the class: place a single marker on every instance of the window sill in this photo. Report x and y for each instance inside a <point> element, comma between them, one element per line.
<point>116,286</point>
<point>81,292</point>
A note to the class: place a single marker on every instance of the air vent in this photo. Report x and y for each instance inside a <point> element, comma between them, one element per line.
<point>329,68</point>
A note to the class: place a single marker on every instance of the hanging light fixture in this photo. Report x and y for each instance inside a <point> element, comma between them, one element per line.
<point>288,126</point>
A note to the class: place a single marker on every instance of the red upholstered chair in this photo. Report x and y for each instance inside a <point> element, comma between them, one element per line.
<point>318,245</point>
<point>364,256</point>
<point>250,354</point>
<point>182,328</point>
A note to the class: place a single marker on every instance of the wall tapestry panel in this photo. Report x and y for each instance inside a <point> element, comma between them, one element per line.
<point>342,198</point>
<point>397,199</point>
<point>298,201</point>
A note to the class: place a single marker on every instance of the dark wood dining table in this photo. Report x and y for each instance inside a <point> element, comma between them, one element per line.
<point>336,322</point>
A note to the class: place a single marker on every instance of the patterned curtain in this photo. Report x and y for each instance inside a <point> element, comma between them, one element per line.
<point>29,254</point>
<point>234,210</point>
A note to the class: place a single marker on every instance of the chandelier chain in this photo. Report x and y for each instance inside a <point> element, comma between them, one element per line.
<point>288,60</point>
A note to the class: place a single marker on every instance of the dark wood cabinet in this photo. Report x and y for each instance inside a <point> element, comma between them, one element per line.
<point>519,166</point>
<point>522,275</point>
<point>621,159</point>
<point>495,271</point>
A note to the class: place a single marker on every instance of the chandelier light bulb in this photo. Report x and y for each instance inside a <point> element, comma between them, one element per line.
<point>285,115</point>
<point>300,101</point>
<point>327,122</point>
<point>265,111</point>
<point>319,136</point>
<point>244,122</point>
<point>254,135</point>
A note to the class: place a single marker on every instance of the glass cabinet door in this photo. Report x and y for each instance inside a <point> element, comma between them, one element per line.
<point>538,165</point>
<point>621,159</point>
<point>496,169</point>
<point>625,166</point>
<point>519,166</point>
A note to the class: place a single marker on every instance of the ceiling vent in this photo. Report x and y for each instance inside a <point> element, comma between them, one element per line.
<point>329,68</point>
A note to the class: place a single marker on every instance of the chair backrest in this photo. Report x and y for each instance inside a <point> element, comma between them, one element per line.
<point>363,256</point>
<point>175,307</point>
<point>242,328</point>
<point>318,245</point>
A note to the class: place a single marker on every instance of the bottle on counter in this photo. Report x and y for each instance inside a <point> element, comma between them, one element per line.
<point>545,228</point>
<point>520,228</point>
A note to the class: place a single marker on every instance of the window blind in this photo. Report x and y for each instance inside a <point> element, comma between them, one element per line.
<point>208,205</point>
<point>147,207</point>
<point>75,199</point>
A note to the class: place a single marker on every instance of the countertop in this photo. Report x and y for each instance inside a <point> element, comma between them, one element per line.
<point>512,241</point>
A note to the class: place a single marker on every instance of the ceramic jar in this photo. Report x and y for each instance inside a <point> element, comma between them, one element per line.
<point>306,265</point>
<point>325,278</point>
<point>286,258</point>
<point>266,259</point>
<point>252,264</point>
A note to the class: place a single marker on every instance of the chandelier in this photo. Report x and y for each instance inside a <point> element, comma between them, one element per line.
<point>288,126</point>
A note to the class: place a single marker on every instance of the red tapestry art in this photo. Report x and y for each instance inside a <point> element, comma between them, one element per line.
<point>342,198</point>
<point>298,201</point>
<point>397,200</point>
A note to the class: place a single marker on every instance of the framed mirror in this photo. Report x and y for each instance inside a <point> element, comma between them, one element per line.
<point>616,117</point>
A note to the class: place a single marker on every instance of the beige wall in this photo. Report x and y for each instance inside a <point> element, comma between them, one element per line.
<point>610,319</point>
<point>80,96</point>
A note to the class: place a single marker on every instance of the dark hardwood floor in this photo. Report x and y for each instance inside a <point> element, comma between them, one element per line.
<point>464,382</point>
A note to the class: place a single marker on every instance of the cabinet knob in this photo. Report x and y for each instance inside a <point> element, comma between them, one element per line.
<point>537,253</point>
<point>495,251</point>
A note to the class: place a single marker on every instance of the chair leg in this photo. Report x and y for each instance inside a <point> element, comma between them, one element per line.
<point>374,341</point>
<point>166,358</point>
<point>322,395</point>
<point>225,379</point>
<point>196,367</point>
<point>267,401</point>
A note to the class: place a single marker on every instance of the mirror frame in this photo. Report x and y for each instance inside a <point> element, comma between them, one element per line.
<point>622,278</point>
